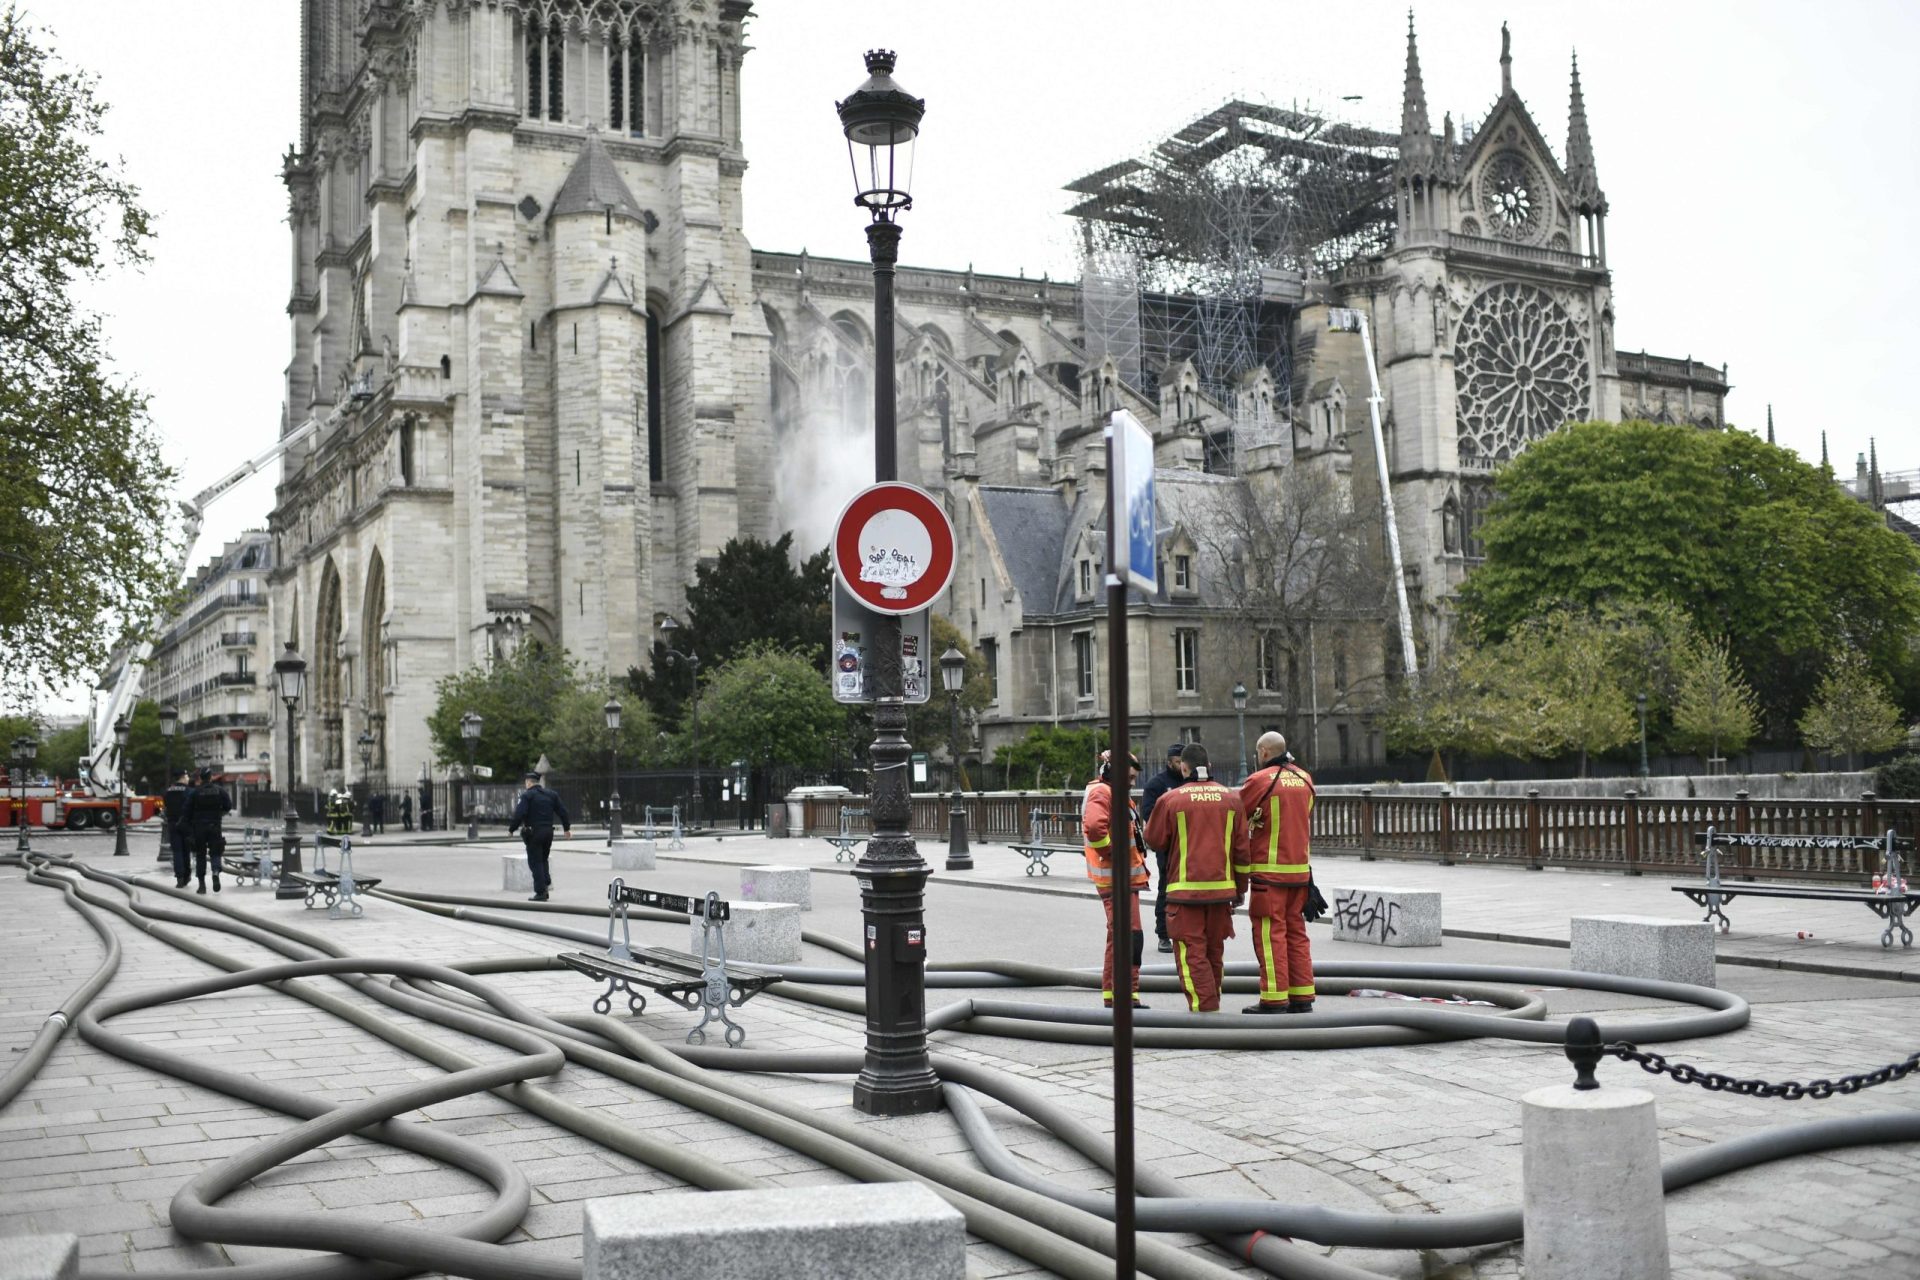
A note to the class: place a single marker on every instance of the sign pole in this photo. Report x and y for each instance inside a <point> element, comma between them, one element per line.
<point>1122,898</point>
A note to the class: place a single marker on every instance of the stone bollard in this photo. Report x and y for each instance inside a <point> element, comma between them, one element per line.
<point>756,933</point>
<point>777,884</point>
<point>40,1258</point>
<point>515,875</point>
<point>863,1232</point>
<point>633,855</point>
<point>1386,917</point>
<point>1593,1206</point>
<point>1655,947</point>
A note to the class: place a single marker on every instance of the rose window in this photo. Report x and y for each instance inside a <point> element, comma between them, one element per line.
<point>1520,371</point>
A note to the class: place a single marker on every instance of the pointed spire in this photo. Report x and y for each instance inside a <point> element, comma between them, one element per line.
<point>1506,61</point>
<point>1413,104</point>
<point>1770,439</point>
<point>1582,177</point>
<point>1825,464</point>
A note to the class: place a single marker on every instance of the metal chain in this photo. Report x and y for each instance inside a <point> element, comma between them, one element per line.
<point>1791,1090</point>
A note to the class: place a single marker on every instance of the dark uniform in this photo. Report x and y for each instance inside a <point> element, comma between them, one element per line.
<point>406,811</point>
<point>210,803</point>
<point>534,815</point>
<point>176,802</point>
<point>1158,785</point>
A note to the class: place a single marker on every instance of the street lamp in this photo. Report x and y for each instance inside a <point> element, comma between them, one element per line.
<point>611,709</point>
<point>24,748</point>
<point>1240,714</point>
<point>953,676</point>
<point>365,741</point>
<point>470,725</point>
<point>669,624</point>
<point>1641,699</point>
<point>121,729</point>
<point>881,121</point>
<point>169,721</point>
<point>290,676</point>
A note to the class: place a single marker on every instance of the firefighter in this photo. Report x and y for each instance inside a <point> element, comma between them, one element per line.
<point>1096,829</point>
<point>210,803</point>
<point>1204,831</point>
<point>1159,784</point>
<point>339,813</point>
<point>1279,805</point>
<point>175,803</point>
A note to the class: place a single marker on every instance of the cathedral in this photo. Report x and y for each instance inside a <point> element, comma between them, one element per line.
<point>548,376</point>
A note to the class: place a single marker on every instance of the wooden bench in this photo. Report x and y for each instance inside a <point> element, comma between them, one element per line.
<point>1050,833</point>
<point>846,845</point>
<point>338,889</point>
<point>1892,902</point>
<point>705,984</point>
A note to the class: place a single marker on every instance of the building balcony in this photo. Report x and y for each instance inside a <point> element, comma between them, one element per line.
<point>229,720</point>
<point>242,678</point>
<point>238,639</point>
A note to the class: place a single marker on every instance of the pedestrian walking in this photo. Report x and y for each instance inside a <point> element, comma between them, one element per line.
<point>1158,785</point>
<point>406,811</point>
<point>1096,829</point>
<point>1204,831</point>
<point>1278,872</point>
<point>535,814</point>
<point>210,803</point>
<point>177,804</point>
<point>377,812</point>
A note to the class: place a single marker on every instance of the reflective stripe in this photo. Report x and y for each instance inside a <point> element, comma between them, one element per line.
<point>1101,843</point>
<point>1186,977</point>
<point>1180,881</point>
<point>1301,991</point>
<point>1277,868</point>
<point>1269,980</point>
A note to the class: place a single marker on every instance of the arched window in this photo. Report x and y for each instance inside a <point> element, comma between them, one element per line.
<point>627,86</point>
<point>546,69</point>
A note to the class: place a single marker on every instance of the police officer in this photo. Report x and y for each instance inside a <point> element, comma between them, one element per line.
<point>175,804</point>
<point>536,811</point>
<point>1158,785</point>
<point>210,803</point>
<point>1204,831</point>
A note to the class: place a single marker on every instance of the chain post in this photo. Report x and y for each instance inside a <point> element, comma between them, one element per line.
<point>1584,1051</point>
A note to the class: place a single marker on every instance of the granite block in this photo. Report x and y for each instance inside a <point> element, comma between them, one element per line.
<point>758,933</point>
<point>863,1232</point>
<point>633,855</point>
<point>1645,947</point>
<point>771,883</point>
<point>41,1258</point>
<point>515,875</point>
<point>1386,917</point>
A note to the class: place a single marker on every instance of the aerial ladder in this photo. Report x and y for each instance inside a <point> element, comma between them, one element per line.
<point>101,768</point>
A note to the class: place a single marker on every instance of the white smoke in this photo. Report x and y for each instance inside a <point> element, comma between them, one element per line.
<point>819,463</point>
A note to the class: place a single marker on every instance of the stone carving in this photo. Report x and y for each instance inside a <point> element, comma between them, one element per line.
<point>1520,369</point>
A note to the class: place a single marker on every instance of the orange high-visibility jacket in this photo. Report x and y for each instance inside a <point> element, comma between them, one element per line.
<point>1204,831</point>
<point>1279,826</point>
<point>1096,828</point>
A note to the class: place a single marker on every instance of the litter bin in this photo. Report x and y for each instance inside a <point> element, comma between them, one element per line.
<point>777,820</point>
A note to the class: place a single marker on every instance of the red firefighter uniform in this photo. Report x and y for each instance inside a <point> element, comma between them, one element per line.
<point>1203,830</point>
<point>1096,829</point>
<point>1276,868</point>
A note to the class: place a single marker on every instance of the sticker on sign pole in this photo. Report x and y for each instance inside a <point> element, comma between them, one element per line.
<point>893,548</point>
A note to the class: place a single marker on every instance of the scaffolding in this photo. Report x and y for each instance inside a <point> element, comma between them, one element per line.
<point>1220,226</point>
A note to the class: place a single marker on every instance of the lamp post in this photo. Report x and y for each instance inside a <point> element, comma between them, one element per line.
<point>121,729</point>
<point>24,749</point>
<point>169,721</point>
<point>881,121</point>
<point>669,624</point>
<point>1641,700</point>
<point>365,743</point>
<point>612,711</point>
<point>953,676</point>
<point>470,726</point>
<point>290,676</point>
<point>1240,714</point>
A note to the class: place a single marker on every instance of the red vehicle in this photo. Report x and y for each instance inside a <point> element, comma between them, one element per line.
<point>72,806</point>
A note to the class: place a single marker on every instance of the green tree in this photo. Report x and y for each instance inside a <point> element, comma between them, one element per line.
<point>516,699</point>
<point>768,703</point>
<point>577,740</point>
<point>1753,543</point>
<point>1851,712</point>
<point>1050,756</point>
<point>1715,709</point>
<point>83,485</point>
<point>930,724</point>
<point>144,763</point>
<point>61,751</point>
<point>1445,713</point>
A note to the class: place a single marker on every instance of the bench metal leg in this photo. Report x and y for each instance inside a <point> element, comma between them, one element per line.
<point>1896,917</point>
<point>636,1002</point>
<point>736,1035</point>
<point>1714,912</point>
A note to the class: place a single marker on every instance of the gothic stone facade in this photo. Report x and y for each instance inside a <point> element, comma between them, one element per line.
<point>550,376</point>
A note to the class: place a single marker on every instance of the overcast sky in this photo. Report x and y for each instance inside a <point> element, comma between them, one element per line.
<point>1758,157</point>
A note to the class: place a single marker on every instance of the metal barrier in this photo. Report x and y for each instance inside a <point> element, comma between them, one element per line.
<point>660,818</point>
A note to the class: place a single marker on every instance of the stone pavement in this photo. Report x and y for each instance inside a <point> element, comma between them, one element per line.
<point>98,1146</point>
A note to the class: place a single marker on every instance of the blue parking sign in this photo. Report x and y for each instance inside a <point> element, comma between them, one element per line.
<point>1130,450</point>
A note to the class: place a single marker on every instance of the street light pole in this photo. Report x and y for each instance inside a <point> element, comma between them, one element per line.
<point>1240,714</point>
<point>290,674</point>
<point>953,674</point>
<point>24,749</point>
<point>880,120</point>
<point>121,730</point>
<point>612,711</point>
<point>1641,699</point>
<point>365,741</point>
<point>470,726</point>
<point>169,720</point>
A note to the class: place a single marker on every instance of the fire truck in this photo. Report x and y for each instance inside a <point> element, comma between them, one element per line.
<point>72,805</point>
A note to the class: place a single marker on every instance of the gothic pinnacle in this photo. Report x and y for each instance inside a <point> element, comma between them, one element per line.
<point>1582,175</point>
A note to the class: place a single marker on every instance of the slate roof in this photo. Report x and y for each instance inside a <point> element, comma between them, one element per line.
<point>1031,527</point>
<point>594,184</point>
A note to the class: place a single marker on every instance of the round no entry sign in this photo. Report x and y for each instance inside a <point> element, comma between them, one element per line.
<point>893,548</point>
